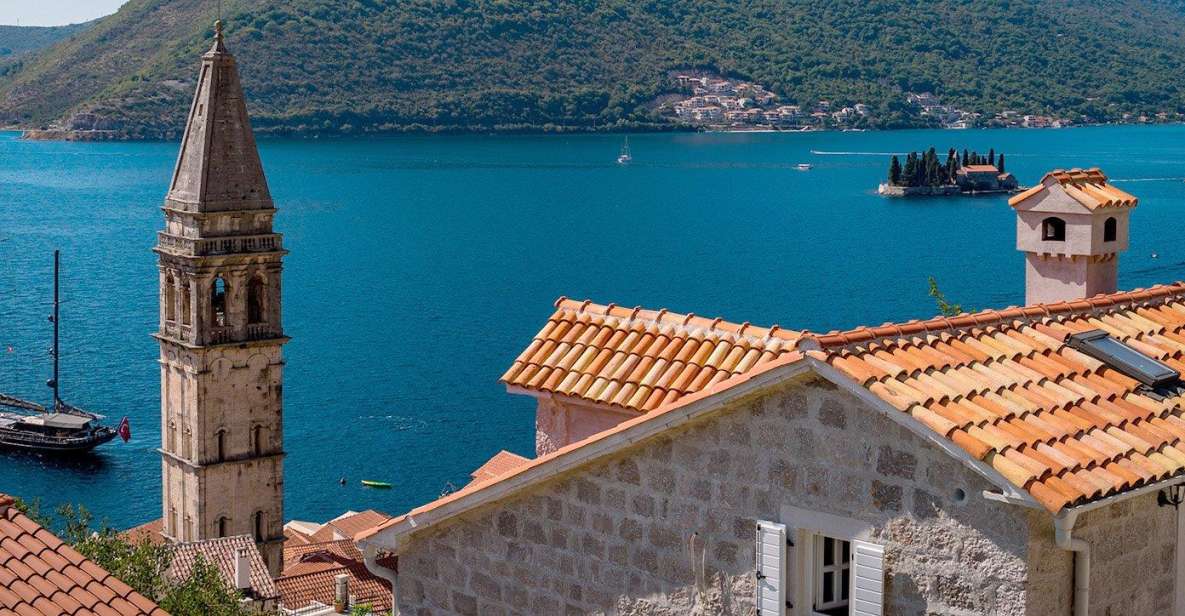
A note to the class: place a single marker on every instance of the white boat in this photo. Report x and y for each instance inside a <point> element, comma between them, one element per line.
<point>804,166</point>
<point>625,157</point>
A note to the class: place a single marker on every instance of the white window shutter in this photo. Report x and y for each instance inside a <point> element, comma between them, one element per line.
<point>868,579</point>
<point>771,569</point>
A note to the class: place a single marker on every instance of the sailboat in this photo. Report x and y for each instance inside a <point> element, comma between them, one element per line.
<point>62,428</point>
<point>625,157</point>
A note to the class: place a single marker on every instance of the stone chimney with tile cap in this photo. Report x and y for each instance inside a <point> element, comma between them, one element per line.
<point>1071,227</point>
<point>341,594</point>
<point>243,570</point>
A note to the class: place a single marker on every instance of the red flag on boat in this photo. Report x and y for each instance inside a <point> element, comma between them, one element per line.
<point>125,430</point>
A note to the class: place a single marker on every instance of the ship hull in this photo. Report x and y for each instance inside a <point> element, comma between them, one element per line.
<point>21,442</point>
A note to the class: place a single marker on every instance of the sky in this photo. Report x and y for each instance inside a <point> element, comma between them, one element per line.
<point>54,12</point>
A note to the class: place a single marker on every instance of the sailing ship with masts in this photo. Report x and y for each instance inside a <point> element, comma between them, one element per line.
<point>61,427</point>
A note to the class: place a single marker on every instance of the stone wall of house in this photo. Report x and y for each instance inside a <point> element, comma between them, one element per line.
<point>1133,560</point>
<point>667,527</point>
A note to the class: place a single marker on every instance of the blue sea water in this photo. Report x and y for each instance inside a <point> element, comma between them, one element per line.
<point>421,266</point>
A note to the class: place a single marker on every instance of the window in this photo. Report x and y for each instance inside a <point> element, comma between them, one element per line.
<point>1100,345</point>
<point>1109,229</point>
<point>222,526</point>
<point>255,304</point>
<point>186,313</point>
<point>170,299</point>
<point>257,440</point>
<point>220,445</point>
<point>1053,229</point>
<point>259,526</point>
<point>218,302</point>
<point>832,583</point>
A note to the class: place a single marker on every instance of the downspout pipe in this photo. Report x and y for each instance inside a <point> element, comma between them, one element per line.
<point>371,555</point>
<point>1063,525</point>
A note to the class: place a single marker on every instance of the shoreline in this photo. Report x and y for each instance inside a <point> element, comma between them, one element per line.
<point>64,135</point>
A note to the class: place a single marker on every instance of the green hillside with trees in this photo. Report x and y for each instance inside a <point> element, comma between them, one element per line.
<point>17,41</point>
<point>332,66</point>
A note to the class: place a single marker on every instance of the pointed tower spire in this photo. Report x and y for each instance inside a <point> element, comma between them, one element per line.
<point>221,330</point>
<point>218,168</point>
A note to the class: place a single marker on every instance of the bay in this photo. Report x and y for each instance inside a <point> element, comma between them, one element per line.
<point>422,265</point>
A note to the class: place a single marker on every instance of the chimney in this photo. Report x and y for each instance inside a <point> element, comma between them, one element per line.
<point>1071,228</point>
<point>243,570</point>
<point>6,501</point>
<point>341,594</point>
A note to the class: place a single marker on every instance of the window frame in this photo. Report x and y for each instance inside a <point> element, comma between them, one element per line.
<point>842,570</point>
<point>1053,229</point>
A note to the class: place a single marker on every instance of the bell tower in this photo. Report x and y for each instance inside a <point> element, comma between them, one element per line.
<point>1071,227</point>
<point>222,445</point>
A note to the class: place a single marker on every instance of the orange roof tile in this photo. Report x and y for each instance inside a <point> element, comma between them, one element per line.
<point>639,359</point>
<point>980,169</point>
<point>503,462</point>
<point>1002,385</point>
<point>1056,423</point>
<point>348,525</point>
<point>310,571</point>
<point>149,531</point>
<point>1089,187</point>
<point>41,576</point>
<point>222,553</point>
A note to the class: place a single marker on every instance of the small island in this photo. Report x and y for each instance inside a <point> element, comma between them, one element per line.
<point>970,174</point>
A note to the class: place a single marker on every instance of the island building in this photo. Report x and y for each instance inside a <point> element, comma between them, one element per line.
<point>984,178</point>
<point>41,576</point>
<point>221,334</point>
<point>1026,460</point>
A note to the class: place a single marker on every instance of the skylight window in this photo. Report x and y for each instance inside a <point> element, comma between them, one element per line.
<point>1101,346</point>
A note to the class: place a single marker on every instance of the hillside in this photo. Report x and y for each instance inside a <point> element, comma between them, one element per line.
<point>17,41</point>
<point>368,65</point>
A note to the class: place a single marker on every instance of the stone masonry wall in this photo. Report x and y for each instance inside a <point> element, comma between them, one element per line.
<point>667,526</point>
<point>1133,561</point>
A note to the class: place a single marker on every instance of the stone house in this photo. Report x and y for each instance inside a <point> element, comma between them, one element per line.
<point>984,178</point>
<point>1014,461</point>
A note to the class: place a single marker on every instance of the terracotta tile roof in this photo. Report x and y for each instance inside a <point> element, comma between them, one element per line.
<point>310,571</point>
<point>295,537</point>
<point>221,553</point>
<point>980,169</point>
<point>1001,384</point>
<point>41,576</point>
<point>1005,387</point>
<point>348,525</point>
<point>1088,187</point>
<point>149,531</point>
<point>503,462</point>
<point>639,359</point>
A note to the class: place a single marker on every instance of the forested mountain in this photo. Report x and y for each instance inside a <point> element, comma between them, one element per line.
<point>372,65</point>
<point>16,41</point>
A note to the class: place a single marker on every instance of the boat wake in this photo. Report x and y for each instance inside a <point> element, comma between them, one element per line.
<point>831,153</point>
<point>1177,179</point>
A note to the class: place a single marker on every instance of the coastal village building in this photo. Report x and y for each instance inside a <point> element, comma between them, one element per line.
<point>1014,461</point>
<point>239,565</point>
<point>220,329</point>
<point>41,576</point>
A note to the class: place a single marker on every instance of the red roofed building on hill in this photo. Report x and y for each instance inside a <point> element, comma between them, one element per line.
<point>1027,460</point>
<point>41,576</point>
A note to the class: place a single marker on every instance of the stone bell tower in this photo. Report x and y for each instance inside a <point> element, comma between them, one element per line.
<point>1071,227</point>
<point>222,445</point>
